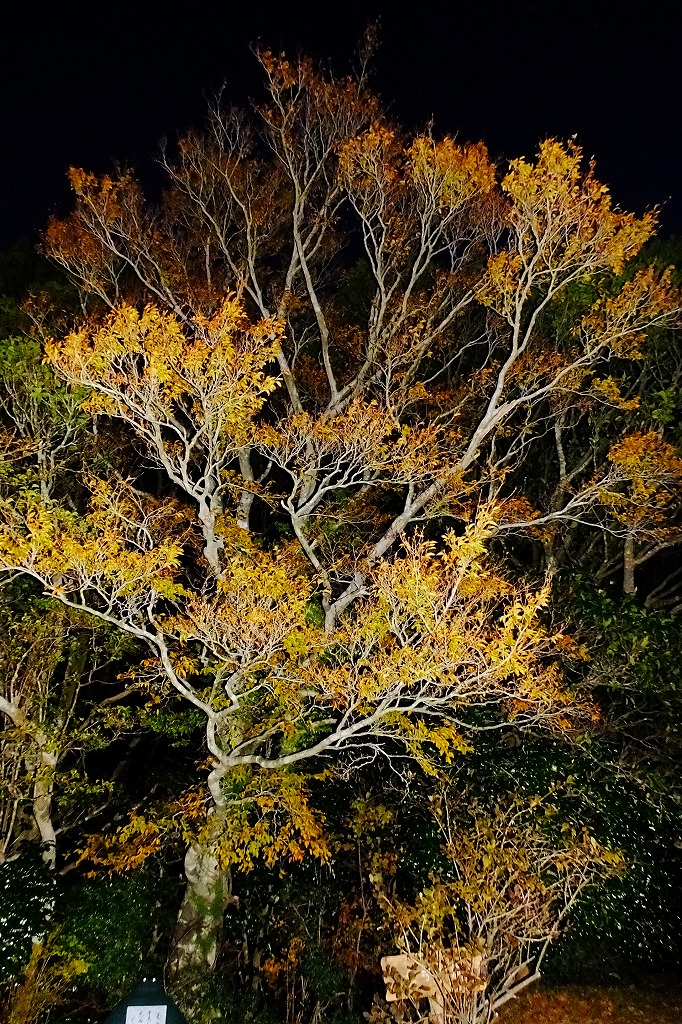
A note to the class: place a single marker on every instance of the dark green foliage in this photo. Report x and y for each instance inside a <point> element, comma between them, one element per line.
<point>25,274</point>
<point>120,927</point>
<point>635,792</point>
<point>233,1003</point>
<point>327,981</point>
<point>632,925</point>
<point>178,725</point>
<point>637,666</point>
<point>28,895</point>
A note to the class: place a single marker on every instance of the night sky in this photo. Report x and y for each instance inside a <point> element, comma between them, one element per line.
<point>93,85</point>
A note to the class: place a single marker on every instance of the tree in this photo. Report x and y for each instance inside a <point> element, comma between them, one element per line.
<point>312,574</point>
<point>50,660</point>
<point>35,735</point>
<point>453,322</point>
<point>620,436</point>
<point>481,927</point>
<point>436,635</point>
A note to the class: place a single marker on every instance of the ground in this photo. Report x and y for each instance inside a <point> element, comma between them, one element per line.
<point>627,1004</point>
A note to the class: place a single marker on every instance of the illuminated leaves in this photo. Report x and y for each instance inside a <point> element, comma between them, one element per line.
<point>608,391</point>
<point>564,228</point>
<point>619,322</point>
<point>500,287</point>
<point>189,390</point>
<point>267,816</point>
<point>144,368</point>
<point>69,554</point>
<point>651,470</point>
<point>363,443</point>
<point>127,848</point>
<point>647,458</point>
<point>255,619</point>
<point>509,874</point>
<point>565,218</point>
<point>271,819</point>
<point>368,162</point>
<point>448,174</point>
<point>429,176</point>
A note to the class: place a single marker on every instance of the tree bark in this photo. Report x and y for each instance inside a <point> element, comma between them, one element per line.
<point>247,495</point>
<point>42,805</point>
<point>629,565</point>
<point>196,940</point>
<point>50,752</point>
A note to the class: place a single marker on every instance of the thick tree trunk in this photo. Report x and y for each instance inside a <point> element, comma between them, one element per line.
<point>247,495</point>
<point>42,806</point>
<point>212,542</point>
<point>50,752</point>
<point>197,933</point>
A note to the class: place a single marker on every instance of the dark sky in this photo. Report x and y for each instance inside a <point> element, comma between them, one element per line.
<point>96,84</point>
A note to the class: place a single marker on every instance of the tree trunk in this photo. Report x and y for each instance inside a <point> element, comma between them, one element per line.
<point>629,565</point>
<point>42,805</point>
<point>50,752</point>
<point>247,495</point>
<point>212,544</point>
<point>197,933</point>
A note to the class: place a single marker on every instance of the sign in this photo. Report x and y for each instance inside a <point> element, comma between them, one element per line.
<point>146,1004</point>
<point>146,1014</point>
<point>448,973</point>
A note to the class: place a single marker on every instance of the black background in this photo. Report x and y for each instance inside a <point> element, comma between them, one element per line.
<point>91,85</point>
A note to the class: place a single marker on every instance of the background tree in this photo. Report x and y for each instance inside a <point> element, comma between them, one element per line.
<point>483,924</point>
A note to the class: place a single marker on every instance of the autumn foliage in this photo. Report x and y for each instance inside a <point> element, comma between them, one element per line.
<point>328,359</point>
